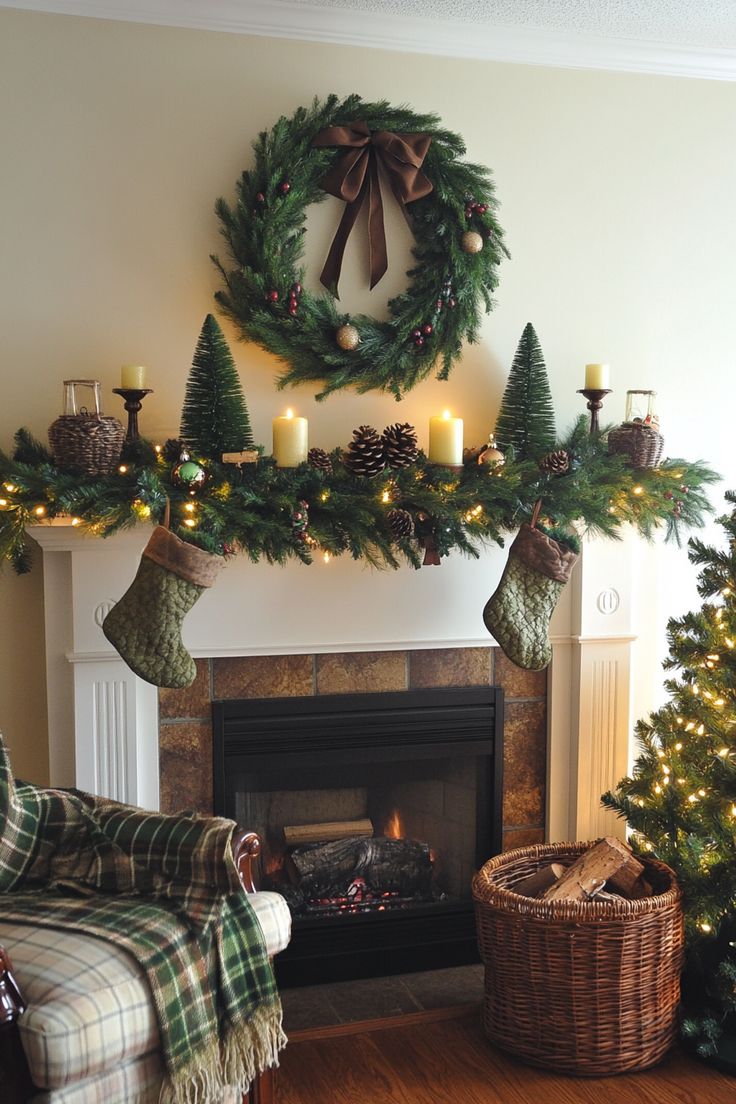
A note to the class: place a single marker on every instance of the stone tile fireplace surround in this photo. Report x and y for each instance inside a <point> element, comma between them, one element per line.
<point>185,735</point>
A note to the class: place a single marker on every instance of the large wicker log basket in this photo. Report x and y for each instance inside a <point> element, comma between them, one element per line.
<point>587,988</point>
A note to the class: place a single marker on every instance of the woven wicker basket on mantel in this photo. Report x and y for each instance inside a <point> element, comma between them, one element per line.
<point>86,443</point>
<point>587,988</point>
<point>643,444</point>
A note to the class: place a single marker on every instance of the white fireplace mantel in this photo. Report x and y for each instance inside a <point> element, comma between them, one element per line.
<point>103,720</point>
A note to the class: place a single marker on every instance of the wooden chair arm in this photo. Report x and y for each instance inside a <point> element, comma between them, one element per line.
<point>246,848</point>
<point>16,1086</point>
<point>12,1004</point>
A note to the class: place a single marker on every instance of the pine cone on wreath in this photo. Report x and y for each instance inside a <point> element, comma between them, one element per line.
<point>401,523</point>
<point>556,463</point>
<point>364,455</point>
<point>400,445</point>
<point>320,460</point>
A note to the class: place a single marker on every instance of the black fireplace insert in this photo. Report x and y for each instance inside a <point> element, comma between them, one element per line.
<point>374,811</point>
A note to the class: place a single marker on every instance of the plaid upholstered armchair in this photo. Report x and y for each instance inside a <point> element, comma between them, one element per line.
<point>134,955</point>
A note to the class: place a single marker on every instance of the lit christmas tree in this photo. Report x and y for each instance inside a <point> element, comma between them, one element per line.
<point>681,800</point>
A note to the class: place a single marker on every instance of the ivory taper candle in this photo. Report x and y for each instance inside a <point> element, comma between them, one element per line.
<point>290,440</point>
<point>133,377</point>
<point>597,377</point>
<point>446,440</point>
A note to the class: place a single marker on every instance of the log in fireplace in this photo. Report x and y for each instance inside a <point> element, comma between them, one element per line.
<point>374,811</point>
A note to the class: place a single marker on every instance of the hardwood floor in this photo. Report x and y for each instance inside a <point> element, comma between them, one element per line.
<point>451,1062</point>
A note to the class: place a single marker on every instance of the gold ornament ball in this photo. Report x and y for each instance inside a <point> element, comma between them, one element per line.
<point>492,456</point>
<point>348,338</point>
<point>471,242</point>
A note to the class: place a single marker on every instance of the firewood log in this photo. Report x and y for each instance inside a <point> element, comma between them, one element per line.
<point>535,884</point>
<point>398,865</point>
<point>296,835</point>
<point>629,880</point>
<point>590,871</point>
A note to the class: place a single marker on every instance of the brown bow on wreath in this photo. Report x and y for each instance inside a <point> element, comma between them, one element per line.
<point>355,177</point>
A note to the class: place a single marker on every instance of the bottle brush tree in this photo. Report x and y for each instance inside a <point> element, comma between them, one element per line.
<point>214,418</point>
<point>526,420</point>
<point>680,801</point>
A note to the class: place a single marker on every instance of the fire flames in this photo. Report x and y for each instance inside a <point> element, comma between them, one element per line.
<point>393,827</point>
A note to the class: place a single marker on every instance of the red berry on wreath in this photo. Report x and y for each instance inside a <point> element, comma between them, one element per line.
<point>416,333</point>
<point>668,494</point>
<point>452,303</point>
<point>481,208</point>
<point>427,329</point>
<point>438,305</point>
<point>273,296</point>
<point>293,308</point>
<point>419,341</point>
<point>284,187</point>
<point>684,489</point>
<point>297,289</point>
<point>260,197</point>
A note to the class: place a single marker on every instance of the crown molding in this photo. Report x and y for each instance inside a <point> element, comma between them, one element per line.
<point>348,27</point>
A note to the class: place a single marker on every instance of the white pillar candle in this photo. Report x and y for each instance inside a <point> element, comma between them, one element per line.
<point>597,377</point>
<point>446,440</point>
<point>290,440</point>
<point>133,377</point>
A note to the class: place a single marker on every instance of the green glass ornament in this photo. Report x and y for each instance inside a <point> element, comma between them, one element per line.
<point>188,472</point>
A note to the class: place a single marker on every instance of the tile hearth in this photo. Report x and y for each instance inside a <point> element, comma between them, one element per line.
<point>344,1002</point>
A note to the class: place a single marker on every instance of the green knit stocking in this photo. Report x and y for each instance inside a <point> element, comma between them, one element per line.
<point>519,611</point>
<point>145,625</point>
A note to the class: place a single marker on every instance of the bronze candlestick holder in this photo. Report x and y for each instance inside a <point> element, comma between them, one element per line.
<point>133,398</point>
<point>595,397</point>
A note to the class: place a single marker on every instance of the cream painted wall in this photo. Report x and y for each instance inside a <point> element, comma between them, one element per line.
<point>617,200</point>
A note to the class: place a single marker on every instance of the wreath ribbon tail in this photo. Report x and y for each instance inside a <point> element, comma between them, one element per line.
<point>330,275</point>
<point>378,252</point>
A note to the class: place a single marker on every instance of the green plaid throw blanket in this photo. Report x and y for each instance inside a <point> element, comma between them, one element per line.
<point>165,888</point>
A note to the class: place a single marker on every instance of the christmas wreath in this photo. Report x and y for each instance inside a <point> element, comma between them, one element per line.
<point>336,147</point>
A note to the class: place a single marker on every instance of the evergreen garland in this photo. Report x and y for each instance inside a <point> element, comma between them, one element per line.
<point>526,420</point>
<point>214,417</point>
<point>264,231</point>
<point>681,798</point>
<point>250,508</point>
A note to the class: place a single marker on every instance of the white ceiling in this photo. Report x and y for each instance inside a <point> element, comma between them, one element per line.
<point>682,22</point>
<point>691,38</point>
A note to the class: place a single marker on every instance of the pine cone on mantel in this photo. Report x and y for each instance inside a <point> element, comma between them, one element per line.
<point>400,445</point>
<point>365,454</point>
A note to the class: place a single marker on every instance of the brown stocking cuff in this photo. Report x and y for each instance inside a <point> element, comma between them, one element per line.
<point>544,554</point>
<point>185,560</point>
